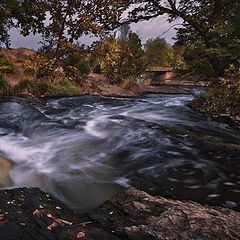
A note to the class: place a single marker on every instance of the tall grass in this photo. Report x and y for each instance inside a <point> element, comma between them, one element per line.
<point>5,86</point>
<point>47,88</point>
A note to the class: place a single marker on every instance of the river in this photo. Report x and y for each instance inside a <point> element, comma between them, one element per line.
<point>85,149</point>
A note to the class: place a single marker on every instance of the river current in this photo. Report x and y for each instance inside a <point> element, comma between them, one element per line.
<point>85,149</point>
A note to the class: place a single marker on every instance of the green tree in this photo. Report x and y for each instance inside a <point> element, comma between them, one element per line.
<point>205,21</point>
<point>120,58</point>
<point>26,15</point>
<point>67,19</point>
<point>158,53</point>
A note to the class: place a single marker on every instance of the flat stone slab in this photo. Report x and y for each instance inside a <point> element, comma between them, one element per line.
<point>136,215</point>
<point>30,214</point>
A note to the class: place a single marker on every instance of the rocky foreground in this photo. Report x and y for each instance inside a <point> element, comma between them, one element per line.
<point>29,213</point>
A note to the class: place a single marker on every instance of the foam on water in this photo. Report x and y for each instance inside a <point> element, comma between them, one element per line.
<point>98,145</point>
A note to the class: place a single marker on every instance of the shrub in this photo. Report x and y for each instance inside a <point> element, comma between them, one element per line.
<point>130,84</point>
<point>223,96</point>
<point>62,89</point>
<point>76,69</point>
<point>41,67</point>
<point>6,64</point>
<point>5,86</point>
<point>24,85</point>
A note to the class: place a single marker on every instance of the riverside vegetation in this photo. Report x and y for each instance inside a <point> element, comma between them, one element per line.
<point>207,45</point>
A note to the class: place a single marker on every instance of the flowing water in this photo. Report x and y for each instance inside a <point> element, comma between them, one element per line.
<point>85,149</point>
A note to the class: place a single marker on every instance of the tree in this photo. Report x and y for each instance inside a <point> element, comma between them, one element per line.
<point>204,21</point>
<point>120,58</point>
<point>157,53</point>
<point>58,21</point>
<point>26,15</point>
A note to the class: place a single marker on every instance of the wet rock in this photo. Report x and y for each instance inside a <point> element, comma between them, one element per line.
<point>165,89</point>
<point>29,213</point>
<point>135,215</point>
<point>97,87</point>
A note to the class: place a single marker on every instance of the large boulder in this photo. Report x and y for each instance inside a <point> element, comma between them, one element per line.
<point>135,215</point>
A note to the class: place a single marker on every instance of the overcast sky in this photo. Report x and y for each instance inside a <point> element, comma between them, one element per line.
<point>146,29</point>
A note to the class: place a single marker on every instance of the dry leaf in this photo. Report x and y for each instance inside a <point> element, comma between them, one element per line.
<point>58,208</point>
<point>37,212</point>
<point>59,220</point>
<point>66,222</point>
<point>80,235</point>
<point>22,224</point>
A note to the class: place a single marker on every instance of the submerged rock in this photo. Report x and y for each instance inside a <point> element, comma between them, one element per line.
<point>29,213</point>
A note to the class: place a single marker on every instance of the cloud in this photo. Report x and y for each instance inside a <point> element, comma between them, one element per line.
<point>157,27</point>
<point>18,41</point>
<point>146,29</point>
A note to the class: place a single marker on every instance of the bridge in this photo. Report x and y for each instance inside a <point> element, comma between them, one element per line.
<point>159,69</point>
<point>160,74</point>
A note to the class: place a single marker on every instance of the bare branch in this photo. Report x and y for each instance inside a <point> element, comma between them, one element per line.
<point>177,24</point>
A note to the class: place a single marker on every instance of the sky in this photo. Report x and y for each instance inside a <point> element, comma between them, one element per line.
<point>147,29</point>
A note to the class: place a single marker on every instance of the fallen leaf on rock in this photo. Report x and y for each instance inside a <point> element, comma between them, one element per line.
<point>58,220</point>
<point>37,212</point>
<point>53,225</point>
<point>66,222</point>
<point>80,235</point>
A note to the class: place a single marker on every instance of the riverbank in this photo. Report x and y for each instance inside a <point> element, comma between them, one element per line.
<point>29,213</point>
<point>233,121</point>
